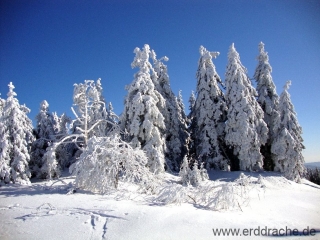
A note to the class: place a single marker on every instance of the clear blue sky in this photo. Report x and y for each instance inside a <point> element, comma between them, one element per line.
<point>47,46</point>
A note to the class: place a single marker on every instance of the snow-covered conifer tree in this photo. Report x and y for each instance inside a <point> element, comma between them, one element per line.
<point>44,134</point>
<point>175,129</point>
<point>268,100</point>
<point>16,137</point>
<point>195,176</point>
<point>4,163</point>
<point>4,154</point>
<point>111,115</point>
<point>245,129</point>
<point>45,122</point>
<point>209,113</point>
<point>181,106</point>
<point>287,146</point>
<point>141,117</point>
<point>184,173</point>
<point>192,123</point>
<point>192,100</point>
<point>2,102</point>
<point>183,125</point>
<point>60,124</point>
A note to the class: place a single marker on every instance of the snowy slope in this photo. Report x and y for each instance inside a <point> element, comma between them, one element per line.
<point>42,211</point>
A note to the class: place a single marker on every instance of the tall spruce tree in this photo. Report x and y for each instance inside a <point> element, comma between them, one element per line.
<point>4,153</point>
<point>175,129</point>
<point>287,146</point>
<point>15,137</point>
<point>209,113</point>
<point>183,125</point>
<point>141,117</point>
<point>245,129</point>
<point>269,101</point>
<point>2,102</point>
<point>192,122</point>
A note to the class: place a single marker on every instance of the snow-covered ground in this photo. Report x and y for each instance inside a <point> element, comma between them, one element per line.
<point>44,210</point>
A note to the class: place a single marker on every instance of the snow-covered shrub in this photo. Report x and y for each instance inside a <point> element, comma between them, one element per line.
<point>192,176</point>
<point>174,194</point>
<point>106,161</point>
<point>211,194</point>
<point>203,172</point>
<point>195,176</point>
<point>184,172</point>
<point>231,195</point>
<point>287,146</point>
<point>277,182</point>
<point>245,128</point>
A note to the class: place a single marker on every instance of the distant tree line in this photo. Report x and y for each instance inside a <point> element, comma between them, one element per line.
<point>313,175</point>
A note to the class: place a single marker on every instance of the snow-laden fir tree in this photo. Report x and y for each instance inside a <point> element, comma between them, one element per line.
<point>4,168</point>
<point>175,128</point>
<point>111,115</point>
<point>2,102</point>
<point>192,123</point>
<point>209,113</point>
<point>141,117</point>
<point>287,146</point>
<point>245,128</point>
<point>4,154</point>
<point>269,101</point>
<point>45,135</point>
<point>16,138</point>
<point>183,120</point>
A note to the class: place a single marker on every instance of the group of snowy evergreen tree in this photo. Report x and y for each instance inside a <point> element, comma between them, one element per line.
<point>239,127</point>
<point>231,126</point>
